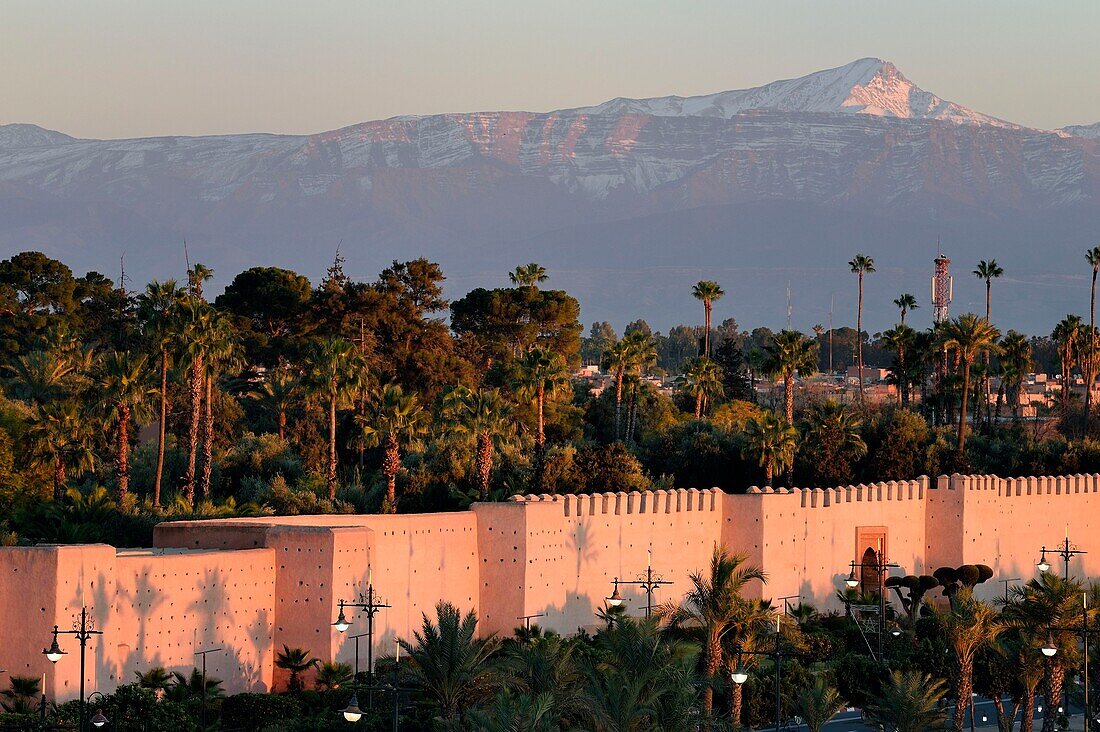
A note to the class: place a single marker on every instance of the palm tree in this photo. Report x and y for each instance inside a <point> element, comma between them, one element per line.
<point>278,393</point>
<point>910,702</point>
<point>332,373</point>
<point>1067,337</point>
<point>546,666</point>
<point>748,630</point>
<point>898,339</point>
<point>333,675</point>
<point>969,625</point>
<point>41,376</point>
<point>21,696</point>
<point>221,354</point>
<point>60,439</point>
<point>484,416</point>
<point>968,335</point>
<point>450,664</point>
<point>818,703</point>
<point>393,420</point>
<point>528,275</point>
<point>708,291</point>
<point>196,325</point>
<point>643,355</point>
<point>702,380</point>
<point>122,385</point>
<point>539,375</point>
<point>196,276</point>
<point>184,689</point>
<point>297,662</point>
<point>155,678</point>
<point>711,605</point>
<point>788,354</point>
<point>1016,363</point>
<point>618,360</point>
<point>832,440</point>
<point>987,271</point>
<point>158,309</point>
<point>1048,608</point>
<point>771,443</point>
<point>1092,256</point>
<point>861,265</point>
<point>905,303</point>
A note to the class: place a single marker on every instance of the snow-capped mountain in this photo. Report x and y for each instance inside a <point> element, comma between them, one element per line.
<point>627,201</point>
<point>867,86</point>
<point>1091,132</point>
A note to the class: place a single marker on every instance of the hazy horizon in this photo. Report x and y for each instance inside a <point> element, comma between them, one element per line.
<point>123,68</point>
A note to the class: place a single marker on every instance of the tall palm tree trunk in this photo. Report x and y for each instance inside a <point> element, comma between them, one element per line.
<point>161,429</point>
<point>859,339</point>
<point>985,361</point>
<point>331,477</point>
<point>962,409</point>
<point>736,698</point>
<point>788,397</point>
<point>1027,719</point>
<point>1092,351</point>
<point>618,400</point>
<point>1056,674</point>
<point>713,662</point>
<point>282,425</point>
<point>59,478</point>
<point>391,463</point>
<point>484,463</point>
<point>699,405</point>
<point>963,689</point>
<point>540,437</point>
<point>122,460</point>
<point>207,436</point>
<point>706,333</point>
<point>193,430</point>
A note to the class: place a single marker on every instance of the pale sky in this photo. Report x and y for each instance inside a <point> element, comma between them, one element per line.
<point>118,68</point>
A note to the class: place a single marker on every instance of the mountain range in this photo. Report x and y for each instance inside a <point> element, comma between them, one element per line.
<point>769,190</point>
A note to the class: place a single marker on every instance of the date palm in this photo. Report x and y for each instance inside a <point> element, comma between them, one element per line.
<point>196,326</point>
<point>703,381</point>
<point>295,661</point>
<point>909,702</point>
<point>711,605</point>
<point>860,265</point>
<point>1092,256</point>
<point>278,394</point>
<point>968,336</point>
<point>1016,363</point>
<point>900,339</point>
<point>968,626</point>
<point>449,662</point>
<point>788,354</point>
<point>771,443</point>
<point>121,380</point>
<point>484,417</point>
<point>643,356</point>
<point>987,271</point>
<point>707,291</point>
<point>749,630</point>
<point>528,275</point>
<point>158,312</point>
<point>60,439</point>
<point>539,375</point>
<point>1067,336</point>
<point>222,353</point>
<point>21,696</point>
<point>333,675</point>
<point>332,375</point>
<point>905,303</point>
<point>394,421</point>
<point>818,703</point>
<point>618,360</point>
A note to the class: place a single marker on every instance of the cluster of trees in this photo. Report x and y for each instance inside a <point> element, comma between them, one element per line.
<point>700,663</point>
<point>121,407</point>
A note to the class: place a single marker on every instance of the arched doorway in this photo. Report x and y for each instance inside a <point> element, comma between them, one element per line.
<point>869,579</point>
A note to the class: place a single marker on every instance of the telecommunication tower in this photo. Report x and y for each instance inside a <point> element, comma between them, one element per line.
<point>942,283</point>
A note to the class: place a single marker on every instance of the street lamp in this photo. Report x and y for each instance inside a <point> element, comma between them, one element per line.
<point>1065,550</point>
<point>98,720</point>
<point>1049,649</point>
<point>777,654</point>
<point>370,604</point>
<point>352,712</point>
<point>881,567</point>
<point>203,654</point>
<point>1085,630</point>
<point>648,582</point>
<point>83,630</point>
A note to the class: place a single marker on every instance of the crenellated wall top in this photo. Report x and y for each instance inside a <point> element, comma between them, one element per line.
<point>634,502</point>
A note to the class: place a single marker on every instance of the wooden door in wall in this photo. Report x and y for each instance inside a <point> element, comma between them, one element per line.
<point>870,550</point>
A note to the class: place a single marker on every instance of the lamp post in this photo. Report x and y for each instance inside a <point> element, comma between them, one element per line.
<point>83,630</point>
<point>527,621</point>
<point>99,719</point>
<point>777,654</point>
<point>203,655</point>
<point>881,566</point>
<point>787,604</point>
<point>356,638</point>
<point>1049,650</point>
<point>1007,582</point>
<point>369,603</point>
<point>1065,550</point>
<point>648,582</point>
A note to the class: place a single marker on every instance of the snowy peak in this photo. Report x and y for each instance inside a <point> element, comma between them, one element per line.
<point>1091,132</point>
<point>17,136</point>
<point>868,86</point>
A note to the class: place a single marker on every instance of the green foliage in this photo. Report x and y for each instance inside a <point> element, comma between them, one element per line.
<point>254,712</point>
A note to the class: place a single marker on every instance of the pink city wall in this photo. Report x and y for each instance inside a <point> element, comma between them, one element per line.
<point>252,585</point>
